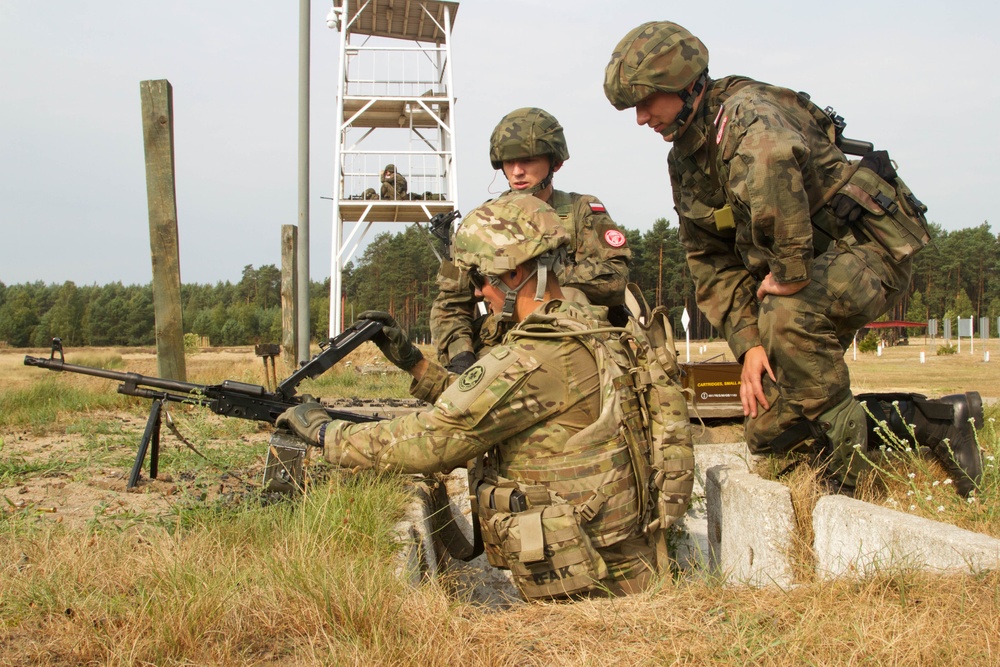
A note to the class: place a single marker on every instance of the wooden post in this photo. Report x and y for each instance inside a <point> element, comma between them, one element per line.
<point>289,297</point>
<point>158,134</point>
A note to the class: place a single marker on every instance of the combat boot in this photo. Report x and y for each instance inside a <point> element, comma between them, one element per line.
<point>945,425</point>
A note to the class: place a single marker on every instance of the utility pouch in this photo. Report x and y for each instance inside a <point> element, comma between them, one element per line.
<point>506,497</point>
<point>893,217</point>
<point>548,552</point>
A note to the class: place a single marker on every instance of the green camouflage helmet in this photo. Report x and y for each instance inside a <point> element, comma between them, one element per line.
<point>504,233</point>
<point>390,168</point>
<point>525,133</point>
<point>656,56</point>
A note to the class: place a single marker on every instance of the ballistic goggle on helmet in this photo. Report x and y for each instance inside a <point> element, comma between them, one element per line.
<point>505,233</point>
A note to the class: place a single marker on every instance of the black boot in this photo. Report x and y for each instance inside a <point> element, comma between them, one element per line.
<point>943,425</point>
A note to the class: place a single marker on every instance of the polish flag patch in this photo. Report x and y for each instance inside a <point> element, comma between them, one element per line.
<point>614,238</point>
<point>597,207</point>
<point>722,130</point>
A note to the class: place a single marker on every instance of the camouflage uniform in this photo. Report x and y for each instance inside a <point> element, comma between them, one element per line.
<point>393,184</point>
<point>597,270</point>
<point>753,176</point>
<point>546,420</point>
<point>527,398</point>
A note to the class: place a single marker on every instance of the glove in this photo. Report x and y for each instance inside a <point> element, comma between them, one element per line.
<point>461,362</point>
<point>393,342</point>
<point>846,209</point>
<point>879,162</point>
<point>306,420</point>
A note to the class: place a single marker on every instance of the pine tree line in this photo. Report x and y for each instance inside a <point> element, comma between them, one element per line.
<point>958,275</point>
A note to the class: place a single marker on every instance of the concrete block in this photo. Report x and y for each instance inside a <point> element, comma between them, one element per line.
<point>853,537</point>
<point>691,549</point>
<point>750,527</point>
<point>417,555</point>
<point>475,580</point>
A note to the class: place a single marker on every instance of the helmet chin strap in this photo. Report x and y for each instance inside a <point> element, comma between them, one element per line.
<point>544,183</point>
<point>688,99</point>
<point>544,264</point>
<point>510,296</point>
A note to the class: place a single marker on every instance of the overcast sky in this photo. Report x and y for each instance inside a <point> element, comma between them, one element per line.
<point>918,78</point>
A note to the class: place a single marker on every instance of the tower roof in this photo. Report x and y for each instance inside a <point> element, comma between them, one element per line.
<point>403,19</point>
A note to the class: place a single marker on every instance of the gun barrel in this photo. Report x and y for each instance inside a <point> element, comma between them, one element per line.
<point>126,378</point>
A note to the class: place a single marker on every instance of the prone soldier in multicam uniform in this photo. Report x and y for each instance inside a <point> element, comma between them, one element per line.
<point>587,447</point>
<point>529,146</point>
<point>792,247</point>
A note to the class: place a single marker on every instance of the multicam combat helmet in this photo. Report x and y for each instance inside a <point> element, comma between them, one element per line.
<point>527,132</point>
<point>656,56</point>
<point>505,233</point>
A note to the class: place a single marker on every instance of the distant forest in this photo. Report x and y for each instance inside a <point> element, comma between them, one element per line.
<point>957,276</point>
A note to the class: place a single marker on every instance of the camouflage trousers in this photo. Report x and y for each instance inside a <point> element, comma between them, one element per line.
<point>806,335</point>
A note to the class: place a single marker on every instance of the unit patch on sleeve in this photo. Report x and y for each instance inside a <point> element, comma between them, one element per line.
<point>614,238</point>
<point>597,207</point>
<point>471,378</point>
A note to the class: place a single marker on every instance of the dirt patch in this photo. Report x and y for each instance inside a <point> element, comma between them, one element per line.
<point>71,490</point>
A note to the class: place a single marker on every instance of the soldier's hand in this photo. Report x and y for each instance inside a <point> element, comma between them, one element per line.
<point>461,362</point>
<point>306,421</point>
<point>771,286</point>
<point>393,342</point>
<point>755,364</point>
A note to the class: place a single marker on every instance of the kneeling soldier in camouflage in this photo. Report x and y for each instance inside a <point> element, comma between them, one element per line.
<point>575,495</point>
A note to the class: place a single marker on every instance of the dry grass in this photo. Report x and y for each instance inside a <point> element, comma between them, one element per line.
<point>307,591</point>
<point>236,581</point>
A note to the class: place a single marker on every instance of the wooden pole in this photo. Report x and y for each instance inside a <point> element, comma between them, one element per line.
<point>289,297</point>
<point>158,134</point>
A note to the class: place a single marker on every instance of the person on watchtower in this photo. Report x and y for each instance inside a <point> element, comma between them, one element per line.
<point>393,184</point>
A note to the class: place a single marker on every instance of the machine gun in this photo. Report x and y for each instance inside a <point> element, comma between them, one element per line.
<point>283,468</point>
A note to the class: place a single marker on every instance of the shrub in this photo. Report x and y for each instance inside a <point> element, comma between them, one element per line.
<point>947,349</point>
<point>869,343</point>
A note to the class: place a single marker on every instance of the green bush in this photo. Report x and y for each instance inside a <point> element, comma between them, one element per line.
<point>869,343</point>
<point>947,349</point>
<point>191,343</point>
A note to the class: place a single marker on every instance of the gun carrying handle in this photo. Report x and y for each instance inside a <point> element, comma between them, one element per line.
<point>337,349</point>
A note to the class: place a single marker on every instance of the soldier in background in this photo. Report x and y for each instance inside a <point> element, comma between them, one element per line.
<point>792,249</point>
<point>393,184</point>
<point>559,503</point>
<point>529,146</point>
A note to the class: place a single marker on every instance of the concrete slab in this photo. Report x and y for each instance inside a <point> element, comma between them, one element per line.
<point>853,537</point>
<point>691,547</point>
<point>750,527</point>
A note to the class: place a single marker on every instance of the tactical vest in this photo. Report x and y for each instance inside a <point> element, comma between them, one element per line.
<point>629,473</point>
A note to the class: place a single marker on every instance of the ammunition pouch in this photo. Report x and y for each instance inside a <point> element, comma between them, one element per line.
<point>547,550</point>
<point>893,218</point>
